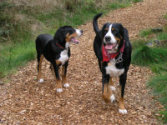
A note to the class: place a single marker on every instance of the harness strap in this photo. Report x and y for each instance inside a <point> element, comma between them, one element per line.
<point>60,46</point>
<point>107,57</point>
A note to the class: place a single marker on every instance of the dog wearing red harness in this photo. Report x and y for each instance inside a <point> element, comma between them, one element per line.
<point>113,51</point>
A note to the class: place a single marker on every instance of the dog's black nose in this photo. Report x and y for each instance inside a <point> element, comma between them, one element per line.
<point>107,38</point>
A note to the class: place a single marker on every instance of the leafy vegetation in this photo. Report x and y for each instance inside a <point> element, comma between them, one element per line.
<point>145,33</point>
<point>154,57</point>
<point>146,56</point>
<point>159,86</point>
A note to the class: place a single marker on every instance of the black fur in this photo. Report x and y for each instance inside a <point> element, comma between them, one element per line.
<point>121,33</point>
<point>51,47</point>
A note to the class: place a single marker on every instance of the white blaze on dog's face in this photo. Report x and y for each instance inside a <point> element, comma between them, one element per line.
<point>111,38</point>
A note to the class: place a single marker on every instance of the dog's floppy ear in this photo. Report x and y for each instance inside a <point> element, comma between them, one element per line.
<point>124,33</point>
<point>60,35</point>
<point>121,30</point>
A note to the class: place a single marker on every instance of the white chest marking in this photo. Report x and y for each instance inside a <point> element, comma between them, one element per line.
<point>112,70</point>
<point>63,56</point>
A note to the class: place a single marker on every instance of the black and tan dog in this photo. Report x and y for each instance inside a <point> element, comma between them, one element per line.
<point>57,51</point>
<point>113,51</point>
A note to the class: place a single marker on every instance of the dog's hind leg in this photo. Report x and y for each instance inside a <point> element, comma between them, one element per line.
<point>122,109</point>
<point>64,73</point>
<point>39,66</point>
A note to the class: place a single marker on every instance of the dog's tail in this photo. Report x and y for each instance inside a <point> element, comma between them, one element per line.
<point>95,25</point>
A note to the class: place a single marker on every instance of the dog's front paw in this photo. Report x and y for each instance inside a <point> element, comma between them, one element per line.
<point>66,85</point>
<point>123,111</point>
<point>41,80</point>
<point>112,98</point>
<point>59,90</point>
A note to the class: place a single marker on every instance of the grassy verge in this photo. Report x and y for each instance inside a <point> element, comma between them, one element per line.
<point>20,23</point>
<point>154,57</point>
<point>16,55</point>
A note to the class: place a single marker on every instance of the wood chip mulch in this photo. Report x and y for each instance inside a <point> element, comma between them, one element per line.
<point>23,101</point>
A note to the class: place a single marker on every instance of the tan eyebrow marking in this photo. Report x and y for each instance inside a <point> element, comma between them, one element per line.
<point>113,29</point>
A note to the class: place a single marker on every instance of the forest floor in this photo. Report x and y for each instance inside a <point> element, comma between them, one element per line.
<point>25,101</point>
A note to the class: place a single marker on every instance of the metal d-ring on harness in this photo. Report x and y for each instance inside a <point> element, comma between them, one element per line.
<point>119,59</point>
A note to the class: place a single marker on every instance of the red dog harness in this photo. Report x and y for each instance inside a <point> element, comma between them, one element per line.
<point>107,57</point>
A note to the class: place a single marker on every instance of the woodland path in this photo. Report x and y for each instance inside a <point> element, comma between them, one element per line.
<point>26,102</point>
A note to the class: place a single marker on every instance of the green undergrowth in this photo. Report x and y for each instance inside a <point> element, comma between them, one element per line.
<point>154,57</point>
<point>16,55</point>
<point>159,87</point>
<point>145,56</point>
<point>21,23</point>
<point>145,33</point>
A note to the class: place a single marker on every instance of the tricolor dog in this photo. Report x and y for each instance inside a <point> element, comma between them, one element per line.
<point>57,51</point>
<point>113,51</point>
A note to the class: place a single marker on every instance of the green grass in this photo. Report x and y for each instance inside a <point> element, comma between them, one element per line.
<point>159,67</point>
<point>156,59</point>
<point>145,56</point>
<point>165,16</point>
<point>16,55</point>
<point>162,36</point>
<point>118,5</point>
<point>145,33</point>
<point>159,87</point>
<point>135,1</point>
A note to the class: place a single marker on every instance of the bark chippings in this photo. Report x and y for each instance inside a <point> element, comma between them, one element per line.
<point>24,101</point>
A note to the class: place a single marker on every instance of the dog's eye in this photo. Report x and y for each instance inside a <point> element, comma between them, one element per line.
<point>115,32</point>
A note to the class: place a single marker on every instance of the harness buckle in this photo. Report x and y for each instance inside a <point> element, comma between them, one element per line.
<point>119,59</point>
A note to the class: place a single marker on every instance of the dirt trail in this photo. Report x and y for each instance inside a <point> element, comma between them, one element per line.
<point>24,101</point>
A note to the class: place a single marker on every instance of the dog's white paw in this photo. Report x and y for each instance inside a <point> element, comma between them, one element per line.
<point>123,111</point>
<point>112,88</point>
<point>66,85</point>
<point>112,98</point>
<point>59,90</point>
<point>41,80</point>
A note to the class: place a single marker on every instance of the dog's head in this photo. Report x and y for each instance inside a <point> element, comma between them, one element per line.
<point>67,34</point>
<point>112,37</point>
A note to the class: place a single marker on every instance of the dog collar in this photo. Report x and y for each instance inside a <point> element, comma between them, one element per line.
<point>107,57</point>
<point>60,46</point>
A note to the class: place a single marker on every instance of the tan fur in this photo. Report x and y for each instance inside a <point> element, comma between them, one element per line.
<point>58,62</point>
<point>68,36</point>
<point>112,29</point>
<point>121,103</point>
<point>58,83</point>
<point>111,83</point>
<point>107,93</point>
<point>118,40</point>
